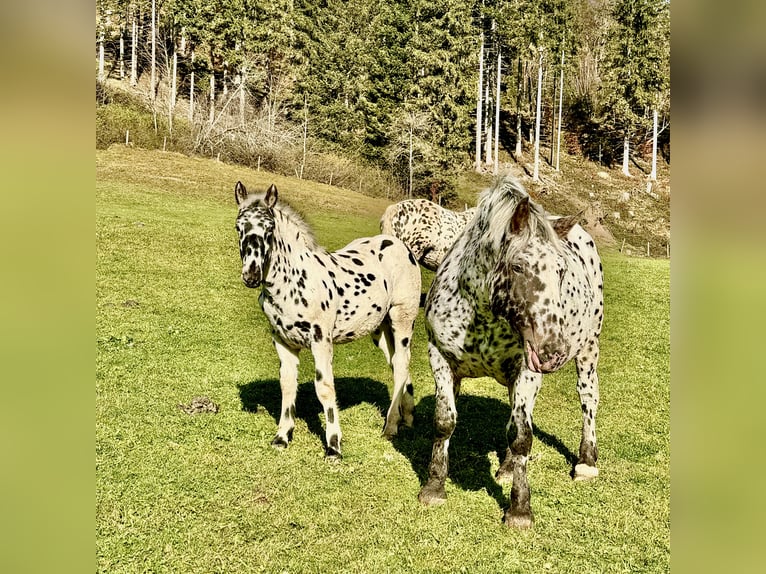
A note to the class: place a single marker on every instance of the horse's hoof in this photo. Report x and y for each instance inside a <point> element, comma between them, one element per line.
<point>522,521</point>
<point>432,495</point>
<point>279,443</point>
<point>585,472</point>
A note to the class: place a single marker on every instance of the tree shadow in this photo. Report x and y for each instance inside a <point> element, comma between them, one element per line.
<point>350,391</point>
<point>480,430</point>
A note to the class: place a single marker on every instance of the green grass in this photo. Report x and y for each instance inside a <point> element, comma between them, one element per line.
<point>207,493</point>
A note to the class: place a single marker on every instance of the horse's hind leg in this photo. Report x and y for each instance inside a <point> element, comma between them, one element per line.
<point>288,381</point>
<point>587,386</point>
<point>523,395</point>
<point>398,335</point>
<point>324,383</point>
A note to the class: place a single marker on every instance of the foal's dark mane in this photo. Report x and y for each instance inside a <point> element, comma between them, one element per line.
<point>289,215</point>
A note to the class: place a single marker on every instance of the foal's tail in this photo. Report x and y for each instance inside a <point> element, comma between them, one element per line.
<point>386,221</point>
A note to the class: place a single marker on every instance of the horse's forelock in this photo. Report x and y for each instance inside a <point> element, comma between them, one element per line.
<point>497,206</point>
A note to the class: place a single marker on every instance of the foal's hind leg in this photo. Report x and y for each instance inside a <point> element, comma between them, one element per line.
<point>324,383</point>
<point>383,339</point>
<point>587,386</point>
<point>288,381</point>
<point>398,335</point>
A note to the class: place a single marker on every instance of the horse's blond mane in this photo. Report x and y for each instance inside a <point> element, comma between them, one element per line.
<point>497,205</point>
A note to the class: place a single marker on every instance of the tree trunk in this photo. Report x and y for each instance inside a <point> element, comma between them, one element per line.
<point>497,111</point>
<point>174,79</point>
<point>653,175</point>
<point>519,86</point>
<point>488,128</point>
<point>536,174</point>
<point>561,105</point>
<point>101,55</point>
<point>488,146</point>
<point>626,156</point>
<point>122,52</point>
<point>551,147</point>
<point>191,89</point>
<point>133,46</point>
<point>212,97</point>
<point>154,48</point>
<point>242,94</point>
<point>479,105</point>
<point>409,188</point>
<point>305,131</point>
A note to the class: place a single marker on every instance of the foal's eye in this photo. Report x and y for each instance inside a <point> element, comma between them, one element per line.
<point>516,268</point>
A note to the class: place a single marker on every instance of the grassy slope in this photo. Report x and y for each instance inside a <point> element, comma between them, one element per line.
<point>208,493</point>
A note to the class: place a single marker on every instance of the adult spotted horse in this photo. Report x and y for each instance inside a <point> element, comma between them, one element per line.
<point>519,295</point>
<point>428,229</point>
<point>313,299</point>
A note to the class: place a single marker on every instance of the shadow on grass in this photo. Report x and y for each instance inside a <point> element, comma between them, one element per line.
<point>480,431</point>
<point>350,391</point>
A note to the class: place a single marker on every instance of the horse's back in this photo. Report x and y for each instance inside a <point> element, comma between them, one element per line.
<point>386,256</point>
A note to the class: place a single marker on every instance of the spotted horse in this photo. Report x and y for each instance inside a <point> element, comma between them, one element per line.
<point>428,229</point>
<point>313,299</point>
<point>519,295</point>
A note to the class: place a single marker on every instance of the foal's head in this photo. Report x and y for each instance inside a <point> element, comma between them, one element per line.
<point>255,225</point>
<point>528,281</point>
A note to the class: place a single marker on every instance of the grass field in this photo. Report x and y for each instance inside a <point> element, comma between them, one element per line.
<point>207,493</point>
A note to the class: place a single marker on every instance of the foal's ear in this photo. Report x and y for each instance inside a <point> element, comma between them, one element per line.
<point>240,193</point>
<point>271,196</point>
<point>520,217</point>
<point>563,225</point>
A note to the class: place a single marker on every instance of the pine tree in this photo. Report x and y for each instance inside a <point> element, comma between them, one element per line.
<point>636,72</point>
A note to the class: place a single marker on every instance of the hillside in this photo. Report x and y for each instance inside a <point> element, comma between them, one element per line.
<point>615,208</point>
<point>617,211</point>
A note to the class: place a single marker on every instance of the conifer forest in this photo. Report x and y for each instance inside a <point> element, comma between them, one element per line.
<point>415,90</point>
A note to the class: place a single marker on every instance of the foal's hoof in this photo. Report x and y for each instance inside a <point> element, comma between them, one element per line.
<point>279,443</point>
<point>332,454</point>
<point>389,432</point>
<point>432,494</point>
<point>585,472</point>
<point>520,520</point>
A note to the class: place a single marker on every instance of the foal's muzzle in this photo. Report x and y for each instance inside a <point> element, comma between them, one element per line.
<point>252,277</point>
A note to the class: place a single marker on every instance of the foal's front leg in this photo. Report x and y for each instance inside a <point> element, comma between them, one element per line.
<point>324,383</point>
<point>445,419</point>
<point>288,381</point>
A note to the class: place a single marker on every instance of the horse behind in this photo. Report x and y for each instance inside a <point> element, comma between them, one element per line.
<point>519,295</point>
<point>313,299</point>
<point>428,229</point>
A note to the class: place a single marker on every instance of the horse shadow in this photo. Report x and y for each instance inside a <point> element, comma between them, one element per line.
<point>350,391</point>
<point>480,434</point>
